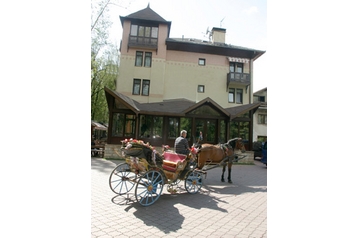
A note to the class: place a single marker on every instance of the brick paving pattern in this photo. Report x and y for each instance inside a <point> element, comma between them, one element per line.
<point>218,210</point>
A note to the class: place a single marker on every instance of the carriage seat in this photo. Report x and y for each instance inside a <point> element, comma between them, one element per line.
<point>172,161</point>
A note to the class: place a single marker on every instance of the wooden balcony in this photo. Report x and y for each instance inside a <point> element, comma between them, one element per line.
<point>238,79</point>
<point>143,42</point>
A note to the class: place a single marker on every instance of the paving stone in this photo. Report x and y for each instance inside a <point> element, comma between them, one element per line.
<point>218,210</point>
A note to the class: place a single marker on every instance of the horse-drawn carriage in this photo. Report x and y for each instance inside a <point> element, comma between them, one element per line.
<point>147,171</point>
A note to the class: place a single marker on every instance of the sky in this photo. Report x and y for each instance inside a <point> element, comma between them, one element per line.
<point>245,23</point>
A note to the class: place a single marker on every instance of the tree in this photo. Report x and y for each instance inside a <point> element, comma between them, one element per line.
<point>104,60</point>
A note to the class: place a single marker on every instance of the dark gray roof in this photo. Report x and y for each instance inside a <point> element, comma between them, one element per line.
<point>146,14</point>
<point>216,48</point>
<point>238,110</point>
<point>204,42</point>
<point>177,107</point>
<point>166,107</point>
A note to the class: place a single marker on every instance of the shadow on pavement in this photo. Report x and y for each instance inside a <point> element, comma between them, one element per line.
<point>164,214</point>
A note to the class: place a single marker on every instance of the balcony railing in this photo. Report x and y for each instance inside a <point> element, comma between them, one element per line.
<point>146,42</point>
<point>238,78</point>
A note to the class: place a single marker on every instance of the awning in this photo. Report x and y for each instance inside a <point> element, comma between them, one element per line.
<point>239,60</point>
<point>98,126</point>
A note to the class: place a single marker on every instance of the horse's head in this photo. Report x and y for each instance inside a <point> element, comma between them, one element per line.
<point>236,143</point>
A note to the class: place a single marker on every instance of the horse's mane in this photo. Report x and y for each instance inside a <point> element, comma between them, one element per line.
<point>232,142</point>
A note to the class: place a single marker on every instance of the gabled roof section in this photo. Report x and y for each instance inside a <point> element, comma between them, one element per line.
<point>128,102</point>
<point>260,91</point>
<point>207,101</point>
<point>146,14</point>
<point>237,111</point>
<point>98,126</point>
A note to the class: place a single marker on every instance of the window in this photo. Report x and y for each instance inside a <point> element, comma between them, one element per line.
<point>235,95</point>
<point>231,94</point>
<point>129,129</point>
<point>144,35</point>
<point>145,89</point>
<point>123,125</point>
<point>139,58</point>
<point>151,127</point>
<point>262,119</point>
<point>201,88</point>
<point>147,59</point>
<point>136,86</point>
<point>201,61</point>
<point>238,95</point>
<point>259,98</point>
<point>236,67</point>
<point>173,131</point>
<point>134,30</point>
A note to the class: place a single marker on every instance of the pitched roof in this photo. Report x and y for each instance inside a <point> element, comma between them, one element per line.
<point>174,107</point>
<point>202,46</point>
<point>177,107</point>
<point>146,14</point>
<point>238,110</point>
<point>260,91</point>
<point>130,103</point>
<point>207,101</point>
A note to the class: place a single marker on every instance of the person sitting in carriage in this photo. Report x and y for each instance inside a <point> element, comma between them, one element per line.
<point>181,145</point>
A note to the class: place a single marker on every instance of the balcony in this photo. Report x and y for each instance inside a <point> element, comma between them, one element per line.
<point>143,42</point>
<point>238,79</point>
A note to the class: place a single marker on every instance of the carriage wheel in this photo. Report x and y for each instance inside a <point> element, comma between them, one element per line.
<point>149,188</point>
<point>122,179</point>
<point>193,182</point>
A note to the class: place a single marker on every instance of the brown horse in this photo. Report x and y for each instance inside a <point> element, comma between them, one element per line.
<point>219,154</point>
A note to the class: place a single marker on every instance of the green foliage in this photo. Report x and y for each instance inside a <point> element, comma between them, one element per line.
<point>104,61</point>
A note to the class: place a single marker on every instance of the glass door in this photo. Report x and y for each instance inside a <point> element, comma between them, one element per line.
<point>206,131</point>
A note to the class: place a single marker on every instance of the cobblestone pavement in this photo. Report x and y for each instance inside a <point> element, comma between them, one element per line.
<point>218,210</point>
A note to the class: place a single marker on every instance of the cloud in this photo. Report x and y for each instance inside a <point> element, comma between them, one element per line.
<point>251,10</point>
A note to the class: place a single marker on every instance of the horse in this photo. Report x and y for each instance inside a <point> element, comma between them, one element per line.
<point>219,154</point>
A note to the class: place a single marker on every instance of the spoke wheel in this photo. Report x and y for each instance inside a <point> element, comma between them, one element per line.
<point>149,188</point>
<point>122,179</point>
<point>193,182</point>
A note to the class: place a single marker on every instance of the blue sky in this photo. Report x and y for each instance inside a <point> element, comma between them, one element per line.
<point>245,23</point>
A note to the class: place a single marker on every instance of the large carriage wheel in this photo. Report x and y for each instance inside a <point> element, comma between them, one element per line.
<point>122,179</point>
<point>149,188</point>
<point>193,182</point>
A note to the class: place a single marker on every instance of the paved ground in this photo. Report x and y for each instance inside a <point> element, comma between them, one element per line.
<point>218,210</point>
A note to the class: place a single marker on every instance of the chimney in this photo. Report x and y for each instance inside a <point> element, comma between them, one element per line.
<point>218,35</point>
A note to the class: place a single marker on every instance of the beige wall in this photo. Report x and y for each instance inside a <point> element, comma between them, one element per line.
<point>185,74</point>
<point>176,74</point>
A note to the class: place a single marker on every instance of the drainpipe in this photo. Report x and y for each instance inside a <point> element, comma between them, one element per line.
<point>251,80</point>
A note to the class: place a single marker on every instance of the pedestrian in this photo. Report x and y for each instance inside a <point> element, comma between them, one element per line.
<point>181,145</point>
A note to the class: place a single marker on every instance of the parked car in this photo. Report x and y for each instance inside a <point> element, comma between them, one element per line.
<point>264,153</point>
